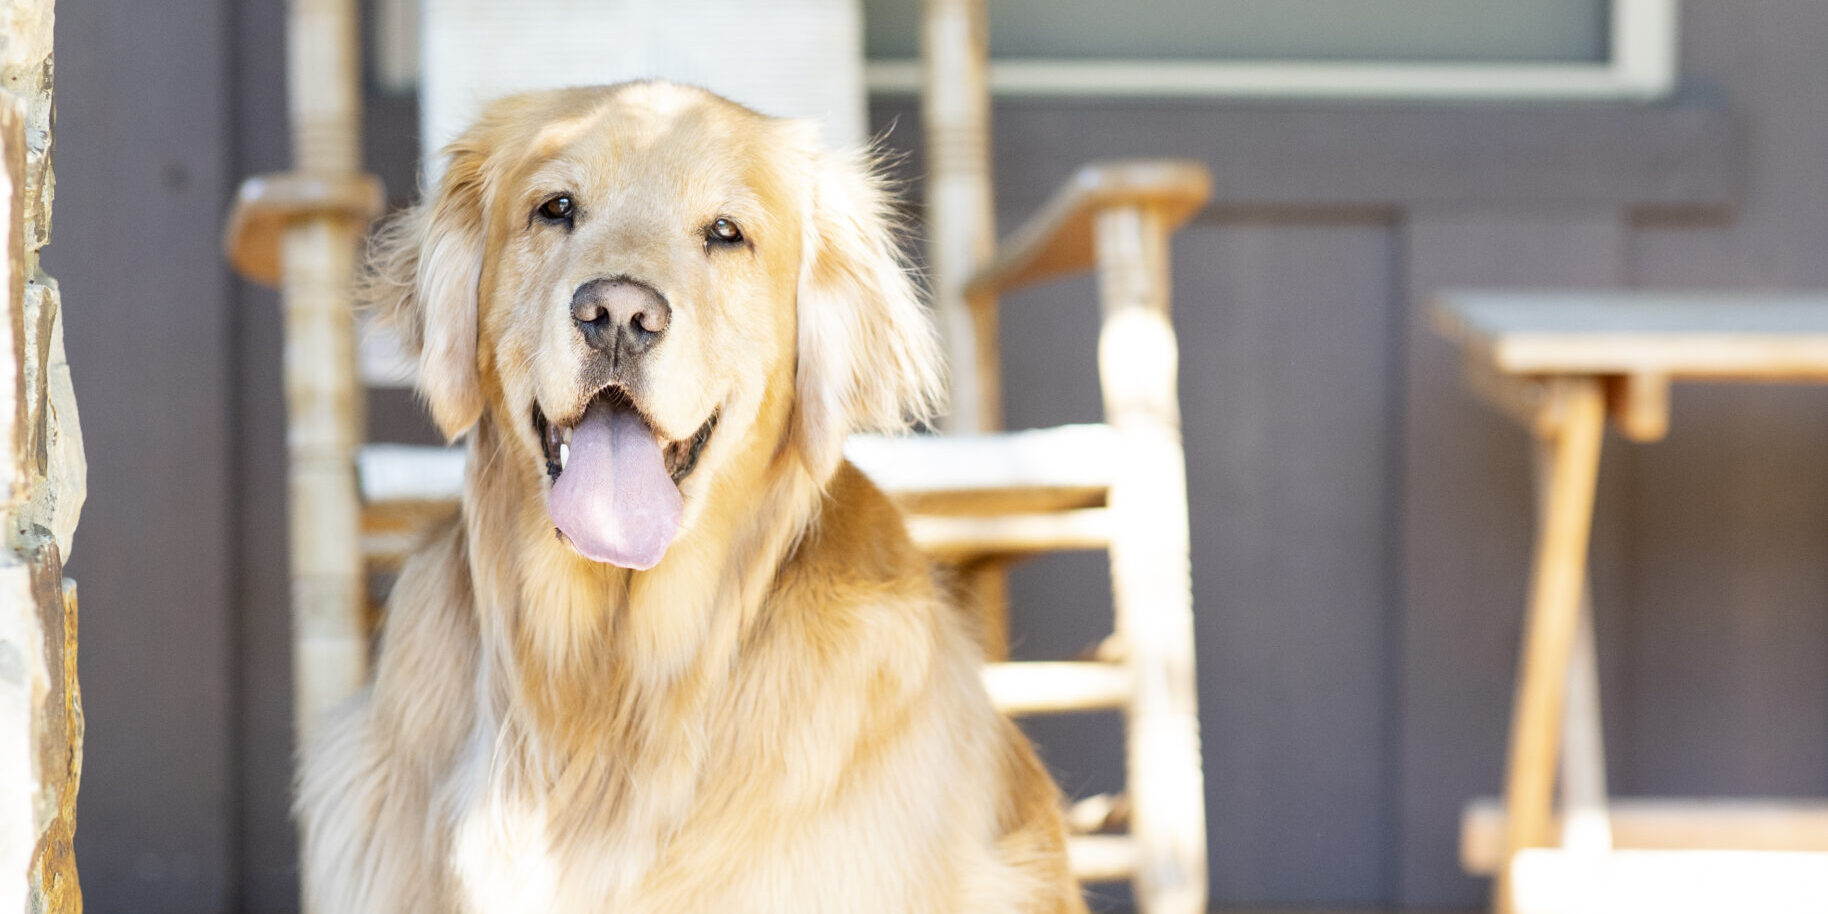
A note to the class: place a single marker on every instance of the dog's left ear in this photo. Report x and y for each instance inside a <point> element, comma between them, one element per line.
<point>869,359</point>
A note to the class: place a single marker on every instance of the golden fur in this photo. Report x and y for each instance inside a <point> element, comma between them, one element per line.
<point>785,714</point>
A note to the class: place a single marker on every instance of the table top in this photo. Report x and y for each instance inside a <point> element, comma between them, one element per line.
<point>1726,335</point>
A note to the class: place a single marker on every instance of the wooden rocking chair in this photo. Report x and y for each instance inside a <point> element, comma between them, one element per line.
<point>975,497</point>
<point>979,498</point>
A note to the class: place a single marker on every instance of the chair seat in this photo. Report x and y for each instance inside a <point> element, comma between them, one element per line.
<point>967,496</point>
<point>404,488</point>
<point>1044,469</point>
<point>391,473</point>
<point>1064,458</point>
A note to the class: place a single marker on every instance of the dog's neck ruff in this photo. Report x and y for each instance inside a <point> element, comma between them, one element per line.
<point>563,625</point>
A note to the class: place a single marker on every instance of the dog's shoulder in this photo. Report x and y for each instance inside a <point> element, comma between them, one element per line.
<point>434,585</point>
<point>859,544</point>
<point>429,640</point>
<point>858,610</point>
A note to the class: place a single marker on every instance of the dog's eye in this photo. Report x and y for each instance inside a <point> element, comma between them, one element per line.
<point>557,209</point>
<point>724,231</point>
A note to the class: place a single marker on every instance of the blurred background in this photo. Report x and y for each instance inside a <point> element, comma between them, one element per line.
<point>1360,524</point>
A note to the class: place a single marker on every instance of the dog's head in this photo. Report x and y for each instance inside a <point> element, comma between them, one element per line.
<point>647,288</point>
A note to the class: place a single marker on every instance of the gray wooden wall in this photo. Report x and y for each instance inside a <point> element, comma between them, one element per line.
<point>1359,524</point>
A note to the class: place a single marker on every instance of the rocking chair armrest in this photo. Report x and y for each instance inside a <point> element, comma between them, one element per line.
<point>1057,240</point>
<point>265,204</point>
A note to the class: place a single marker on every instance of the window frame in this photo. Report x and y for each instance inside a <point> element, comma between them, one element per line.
<point>1640,66</point>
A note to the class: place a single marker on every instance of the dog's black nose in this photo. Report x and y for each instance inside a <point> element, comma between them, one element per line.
<point>620,317</point>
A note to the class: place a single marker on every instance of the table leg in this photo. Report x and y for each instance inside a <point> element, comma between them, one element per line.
<point>1571,444</point>
<point>1586,824</point>
<point>1585,819</point>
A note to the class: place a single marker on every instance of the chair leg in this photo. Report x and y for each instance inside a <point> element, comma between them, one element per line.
<point>1150,566</point>
<point>984,586</point>
<point>1152,590</point>
<point>1570,470</point>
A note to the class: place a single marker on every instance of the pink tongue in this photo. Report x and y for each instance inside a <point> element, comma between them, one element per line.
<point>614,499</point>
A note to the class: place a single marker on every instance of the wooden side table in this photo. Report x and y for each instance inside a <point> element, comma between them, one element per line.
<point>1561,363</point>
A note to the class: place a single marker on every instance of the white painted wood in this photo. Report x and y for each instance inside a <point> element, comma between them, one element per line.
<point>330,634</point>
<point>1668,824</point>
<point>1102,858</point>
<point>1062,456</point>
<point>1067,456</point>
<point>1613,311</point>
<point>961,210</point>
<point>1676,334</point>
<point>319,254</point>
<point>1669,882</point>
<point>1051,688</point>
<point>1151,575</point>
<point>794,58</point>
<point>407,472</point>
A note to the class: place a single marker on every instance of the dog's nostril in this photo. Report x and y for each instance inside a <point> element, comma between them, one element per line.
<point>589,313</point>
<point>620,316</point>
<point>653,319</point>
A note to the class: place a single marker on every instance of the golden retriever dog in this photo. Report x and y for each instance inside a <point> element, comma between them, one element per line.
<point>675,655</point>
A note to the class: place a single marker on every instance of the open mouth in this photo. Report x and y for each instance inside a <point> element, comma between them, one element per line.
<point>615,493</point>
<point>681,456</point>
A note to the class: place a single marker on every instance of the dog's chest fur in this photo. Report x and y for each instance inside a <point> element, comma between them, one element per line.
<point>829,755</point>
<point>781,803</point>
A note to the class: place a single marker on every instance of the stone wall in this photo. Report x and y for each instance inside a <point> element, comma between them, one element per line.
<point>41,494</point>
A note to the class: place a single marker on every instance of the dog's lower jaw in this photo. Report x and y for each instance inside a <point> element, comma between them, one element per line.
<point>662,621</point>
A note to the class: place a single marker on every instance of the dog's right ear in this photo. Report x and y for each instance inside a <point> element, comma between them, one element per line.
<point>424,268</point>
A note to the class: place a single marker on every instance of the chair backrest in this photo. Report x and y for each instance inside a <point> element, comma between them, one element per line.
<point>807,62</point>
<point>791,58</point>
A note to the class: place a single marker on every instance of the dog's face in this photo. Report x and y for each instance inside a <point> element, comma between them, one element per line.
<point>648,288</point>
